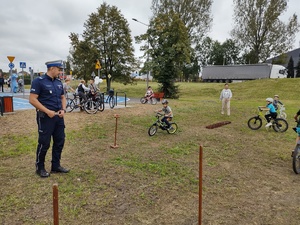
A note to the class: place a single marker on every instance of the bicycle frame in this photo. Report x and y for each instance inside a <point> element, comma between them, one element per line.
<point>278,124</point>
<point>161,125</point>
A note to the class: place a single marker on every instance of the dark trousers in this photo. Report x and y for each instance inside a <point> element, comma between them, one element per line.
<point>271,116</point>
<point>47,128</point>
<point>165,119</point>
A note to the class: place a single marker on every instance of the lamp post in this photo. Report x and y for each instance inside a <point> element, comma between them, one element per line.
<point>148,74</point>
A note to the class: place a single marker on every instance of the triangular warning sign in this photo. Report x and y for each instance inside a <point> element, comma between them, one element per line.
<point>11,58</point>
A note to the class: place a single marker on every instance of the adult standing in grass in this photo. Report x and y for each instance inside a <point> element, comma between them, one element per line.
<point>225,97</point>
<point>47,96</point>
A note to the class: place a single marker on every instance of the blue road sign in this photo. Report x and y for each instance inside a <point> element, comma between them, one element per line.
<point>22,64</point>
<point>11,65</point>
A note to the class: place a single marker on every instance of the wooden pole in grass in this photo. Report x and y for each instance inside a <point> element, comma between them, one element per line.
<point>200,184</point>
<point>116,128</point>
<point>55,204</point>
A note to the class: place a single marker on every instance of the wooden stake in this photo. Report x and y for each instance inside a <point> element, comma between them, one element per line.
<point>200,184</point>
<point>55,204</point>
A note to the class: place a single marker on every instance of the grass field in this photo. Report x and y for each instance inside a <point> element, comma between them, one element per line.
<point>248,177</point>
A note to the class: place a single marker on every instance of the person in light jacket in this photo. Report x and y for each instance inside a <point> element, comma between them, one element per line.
<point>225,97</point>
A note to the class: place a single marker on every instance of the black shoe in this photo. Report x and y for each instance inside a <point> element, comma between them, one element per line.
<point>42,173</point>
<point>59,169</point>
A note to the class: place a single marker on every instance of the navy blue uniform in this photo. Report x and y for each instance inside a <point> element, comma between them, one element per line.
<point>49,93</point>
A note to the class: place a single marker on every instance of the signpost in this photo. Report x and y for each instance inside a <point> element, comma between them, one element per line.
<point>23,65</point>
<point>11,65</point>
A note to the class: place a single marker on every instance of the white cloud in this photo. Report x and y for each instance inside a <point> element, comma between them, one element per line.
<point>38,31</point>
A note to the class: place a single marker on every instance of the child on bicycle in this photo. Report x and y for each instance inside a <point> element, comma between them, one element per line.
<point>168,113</point>
<point>297,128</point>
<point>276,101</point>
<point>149,92</point>
<point>271,114</point>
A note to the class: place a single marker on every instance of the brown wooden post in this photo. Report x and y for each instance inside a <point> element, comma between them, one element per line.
<point>55,204</point>
<point>116,128</point>
<point>200,184</point>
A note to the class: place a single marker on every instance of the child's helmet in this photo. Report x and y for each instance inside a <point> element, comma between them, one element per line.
<point>269,99</point>
<point>165,101</point>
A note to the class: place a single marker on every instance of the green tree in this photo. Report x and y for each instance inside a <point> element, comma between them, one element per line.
<point>215,53</point>
<point>260,31</point>
<point>298,69</point>
<point>195,14</point>
<point>170,51</point>
<point>281,59</point>
<point>106,37</point>
<point>290,69</point>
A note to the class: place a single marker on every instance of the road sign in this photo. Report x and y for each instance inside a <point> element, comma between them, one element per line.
<point>22,64</point>
<point>11,58</point>
<point>98,65</point>
<point>11,65</point>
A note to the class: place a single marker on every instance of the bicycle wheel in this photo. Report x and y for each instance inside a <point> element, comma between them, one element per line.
<point>153,129</point>
<point>143,100</point>
<point>254,123</point>
<point>296,159</point>
<point>91,107</point>
<point>111,102</point>
<point>70,105</point>
<point>173,128</point>
<point>153,101</point>
<point>280,125</point>
<point>283,115</point>
<point>101,105</point>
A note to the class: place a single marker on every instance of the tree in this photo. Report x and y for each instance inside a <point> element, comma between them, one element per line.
<point>106,37</point>
<point>281,59</point>
<point>290,69</point>
<point>260,31</point>
<point>212,52</point>
<point>298,69</point>
<point>170,51</point>
<point>195,14</point>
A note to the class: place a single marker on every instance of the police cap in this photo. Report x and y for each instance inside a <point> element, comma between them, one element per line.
<point>56,63</point>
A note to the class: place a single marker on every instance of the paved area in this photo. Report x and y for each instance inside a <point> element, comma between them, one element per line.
<point>21,102</point>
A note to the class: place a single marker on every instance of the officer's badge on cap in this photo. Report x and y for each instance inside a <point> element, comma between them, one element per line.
<point>57,63</point>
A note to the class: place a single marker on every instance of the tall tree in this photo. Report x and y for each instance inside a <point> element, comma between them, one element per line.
<point>170,50</point>
<point>259,30</point>
<point>106,37</point>
<point>195,14</point>
<point>290,69</point>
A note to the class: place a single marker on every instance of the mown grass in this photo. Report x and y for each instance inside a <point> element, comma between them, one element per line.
<point>154,180</point>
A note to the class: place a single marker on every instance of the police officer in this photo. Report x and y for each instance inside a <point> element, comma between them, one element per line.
<point>47,96</point>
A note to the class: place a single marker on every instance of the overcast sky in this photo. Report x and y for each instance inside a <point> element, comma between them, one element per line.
<point>38,31</point>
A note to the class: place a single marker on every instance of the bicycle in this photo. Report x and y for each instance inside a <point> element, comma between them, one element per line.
<point>282,113</point>
<point>149,99</point>
<point>296,156</point>
<point>110,99</point>
<point>90,106</point>
<point>159,124</point>
<point>278,124</point>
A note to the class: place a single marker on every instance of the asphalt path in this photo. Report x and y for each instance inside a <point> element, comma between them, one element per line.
<point>21,102</point>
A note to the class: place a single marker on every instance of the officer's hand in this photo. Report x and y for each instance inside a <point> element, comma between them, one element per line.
<point>61,113</point>
<point>51,113</point>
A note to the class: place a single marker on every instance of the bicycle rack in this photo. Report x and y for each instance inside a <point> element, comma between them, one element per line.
<point>124,96</point>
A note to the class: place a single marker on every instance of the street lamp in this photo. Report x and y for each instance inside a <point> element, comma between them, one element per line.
<point>148,74</point>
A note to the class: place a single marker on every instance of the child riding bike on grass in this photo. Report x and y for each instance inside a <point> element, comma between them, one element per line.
<point>168,113</point>
<point>272,114</point>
